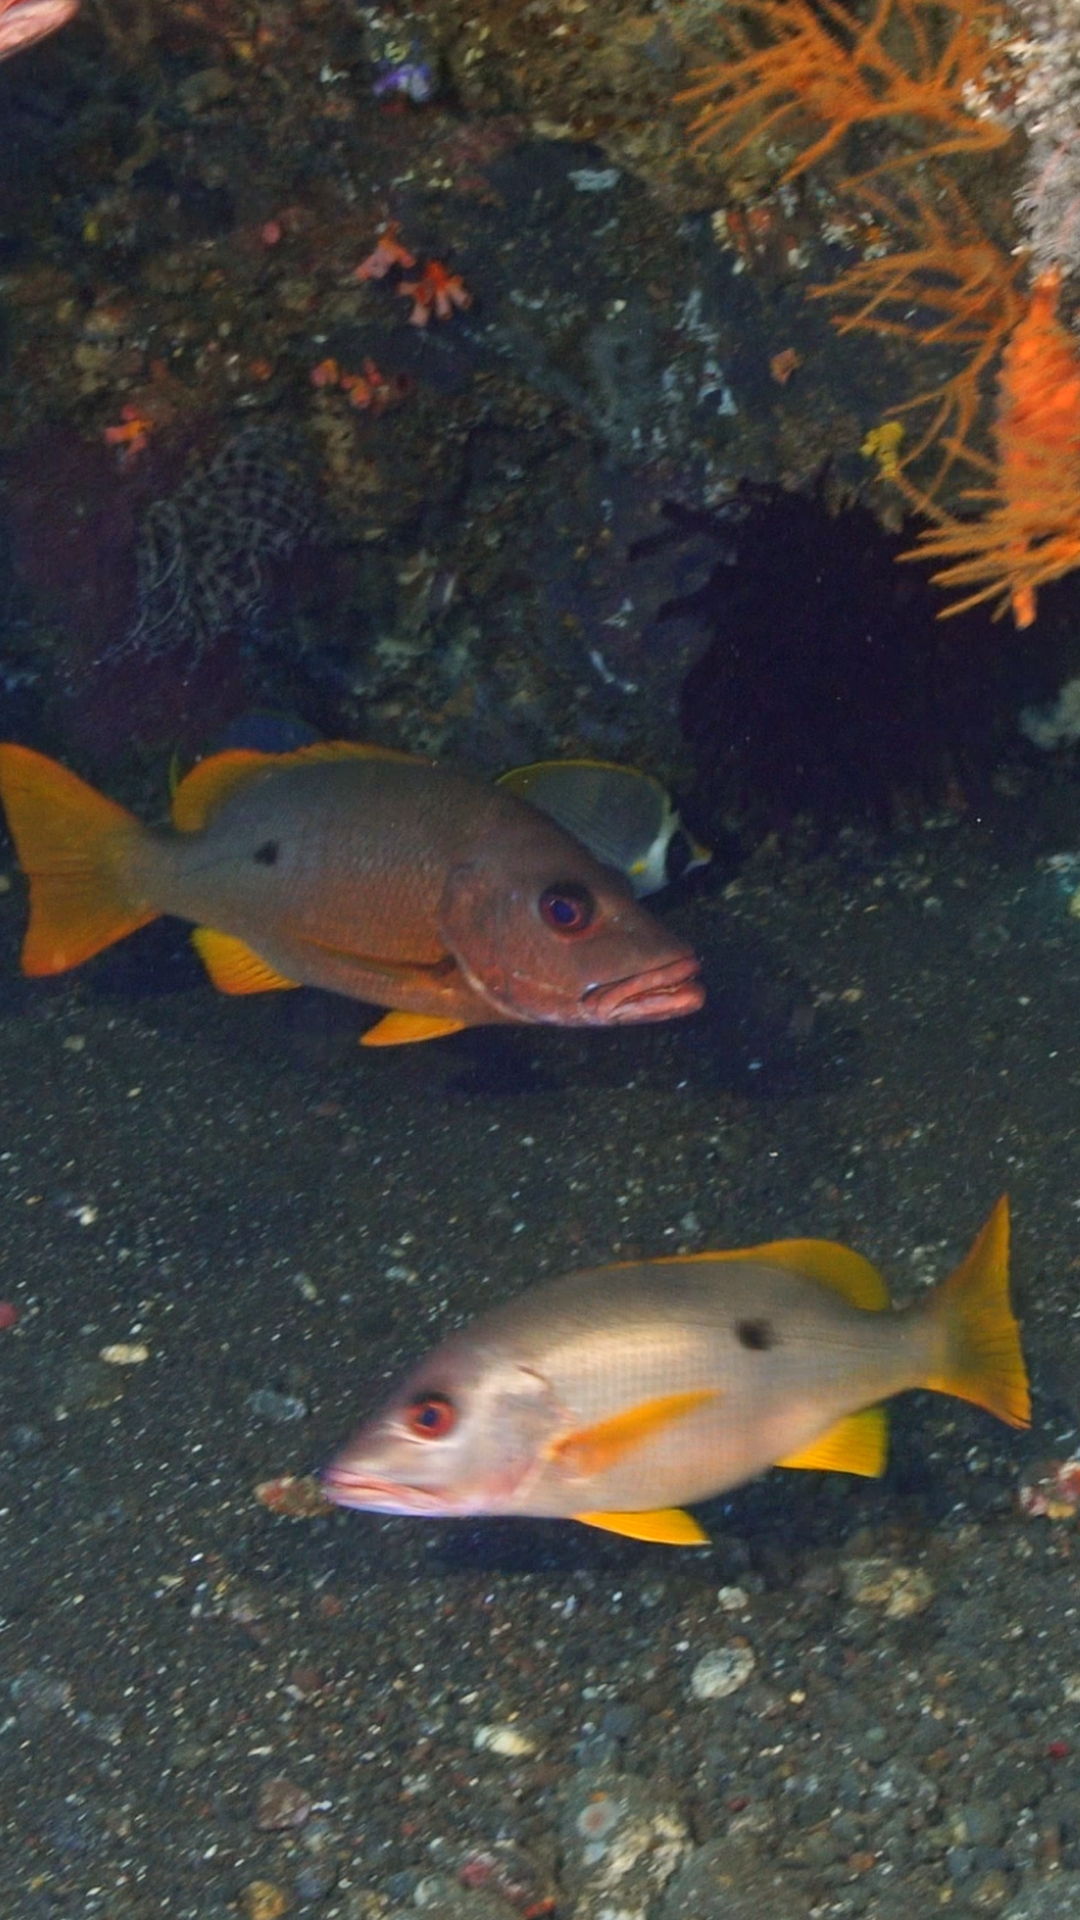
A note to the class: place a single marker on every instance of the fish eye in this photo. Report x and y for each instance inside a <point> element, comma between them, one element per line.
<point>568,908</point>
<point>431,1416</point>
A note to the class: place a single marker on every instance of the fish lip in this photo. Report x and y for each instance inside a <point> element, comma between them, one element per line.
<point>370,1495</point>
<point>658,993</point>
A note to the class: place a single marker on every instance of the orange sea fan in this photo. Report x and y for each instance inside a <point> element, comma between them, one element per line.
<point>1031,531</point>
<point>950,285</point>
<point>821,64</point>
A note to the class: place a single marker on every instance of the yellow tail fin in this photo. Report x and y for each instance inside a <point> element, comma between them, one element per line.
<point>69,840</point>
<point>980,1355</point>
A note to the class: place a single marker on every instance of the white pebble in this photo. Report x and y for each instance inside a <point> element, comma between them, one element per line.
<point>732,1599</point>
<point>722,1672</point>
<point>503,1739</point>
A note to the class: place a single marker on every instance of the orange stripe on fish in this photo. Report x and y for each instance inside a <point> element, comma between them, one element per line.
<point>594,1449</point>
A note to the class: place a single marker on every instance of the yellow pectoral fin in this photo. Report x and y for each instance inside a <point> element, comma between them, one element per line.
<point>232,966</point>
<point>402,1029</point>
<point>592,1450</point>
<point>666,1526</point>
<point>399,973</point>
<point>859,1444</point>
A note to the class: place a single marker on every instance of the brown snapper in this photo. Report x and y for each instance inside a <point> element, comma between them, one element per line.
<point>371,873</point>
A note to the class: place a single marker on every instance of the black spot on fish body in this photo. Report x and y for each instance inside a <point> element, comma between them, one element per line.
<point>267,854</point>
<point>756,1335</point>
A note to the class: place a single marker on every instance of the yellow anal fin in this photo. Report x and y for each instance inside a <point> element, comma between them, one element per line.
<point>831,1265</point>
<point>665,1526</point>
<point>592,1450</point>
<point>214,780</point>
<point>72,843</point>
<point>857,1444</point>
<point>232,965</point>
<point>403,1029</point>
<point>981,1357</point>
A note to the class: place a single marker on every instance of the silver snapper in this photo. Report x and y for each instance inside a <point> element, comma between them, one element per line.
<point>615,1395</point>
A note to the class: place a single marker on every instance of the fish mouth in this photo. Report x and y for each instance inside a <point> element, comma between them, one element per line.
<point>660,993</point>
<point>370,1495</point>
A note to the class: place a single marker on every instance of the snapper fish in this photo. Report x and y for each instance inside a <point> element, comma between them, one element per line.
<point>617,1395</point>
<point>371,873</point>
<point>23,22</point>
<point>625,817</point>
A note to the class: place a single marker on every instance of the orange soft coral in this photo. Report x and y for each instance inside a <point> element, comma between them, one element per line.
<point>949,284</point>
<point>387,252</point>
<point>436,292</point>
<point>820,66</point>
<point>1030,533</point>
<point>132,435</point>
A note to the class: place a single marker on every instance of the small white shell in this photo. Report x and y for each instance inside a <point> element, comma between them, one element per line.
<point>125,1354</point>
<point>722,1672</point>
<point>504,1739</point>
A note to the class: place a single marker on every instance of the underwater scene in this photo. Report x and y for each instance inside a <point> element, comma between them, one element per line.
<point>539,959</point>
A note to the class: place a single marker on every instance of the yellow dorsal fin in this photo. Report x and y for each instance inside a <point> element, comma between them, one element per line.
<point>589,1451</point>
<point>825,1261</point>
<point>519,779</point>
<point>73,845</point>
<point>232,965</point>
<point>399,1029</point>
<point>980,1356</point>
<point>212,781</point>
<point>215,779</point>
<point>857,1444</point>
<point>667,1526</point>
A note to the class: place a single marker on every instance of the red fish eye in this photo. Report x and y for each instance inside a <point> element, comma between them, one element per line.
<point>431,1416</point>
<point>567,909</point>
